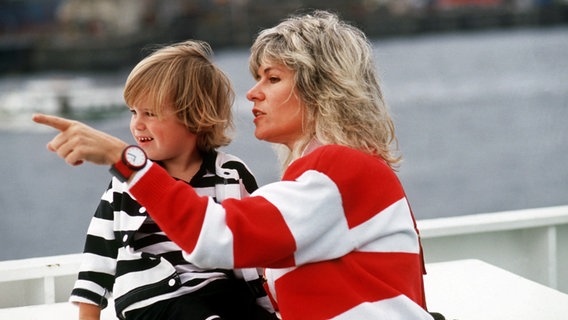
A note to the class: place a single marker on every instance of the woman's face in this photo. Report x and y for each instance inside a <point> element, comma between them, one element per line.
<point>163,138</point>
<point>277,110</point>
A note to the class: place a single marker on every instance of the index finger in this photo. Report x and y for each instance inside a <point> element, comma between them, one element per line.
<point>58,123</point>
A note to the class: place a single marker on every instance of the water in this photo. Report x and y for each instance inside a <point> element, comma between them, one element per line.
<point>480,120</point>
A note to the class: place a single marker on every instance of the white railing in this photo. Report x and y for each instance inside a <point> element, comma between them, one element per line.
<point>531,243</point>
<point>38,280</point>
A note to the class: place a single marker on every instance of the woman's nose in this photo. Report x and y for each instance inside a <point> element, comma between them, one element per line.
<point>254,93</point>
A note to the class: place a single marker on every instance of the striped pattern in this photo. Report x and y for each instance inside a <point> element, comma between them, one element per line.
<point>127,254</point>
<point>337,233</point>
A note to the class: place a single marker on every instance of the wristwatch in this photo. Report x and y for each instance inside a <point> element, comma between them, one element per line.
<point>133,159</point>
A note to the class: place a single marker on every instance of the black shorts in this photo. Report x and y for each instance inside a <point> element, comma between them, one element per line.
<point>227,299</point>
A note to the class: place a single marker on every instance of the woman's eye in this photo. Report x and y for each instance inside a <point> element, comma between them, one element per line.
<point>273,79</point>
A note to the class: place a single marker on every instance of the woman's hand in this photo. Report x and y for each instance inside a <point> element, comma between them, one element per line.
<point>77,142</point>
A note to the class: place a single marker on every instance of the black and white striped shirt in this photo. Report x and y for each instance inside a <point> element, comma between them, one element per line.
<point>127,254</point>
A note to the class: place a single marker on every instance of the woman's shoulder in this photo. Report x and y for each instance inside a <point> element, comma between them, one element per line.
<point>338,160</point>
<point>342,154</point>
<point>349,168</point>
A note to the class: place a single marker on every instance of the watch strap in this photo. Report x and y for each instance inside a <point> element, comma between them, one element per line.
<point>121,171</point>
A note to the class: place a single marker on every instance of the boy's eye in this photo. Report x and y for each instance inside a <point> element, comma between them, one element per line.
<point>145,113</point>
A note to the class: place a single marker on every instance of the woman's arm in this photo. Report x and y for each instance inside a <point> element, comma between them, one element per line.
<point>283,224</point>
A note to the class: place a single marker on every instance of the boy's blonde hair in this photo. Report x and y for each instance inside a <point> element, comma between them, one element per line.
<point>183,75</point>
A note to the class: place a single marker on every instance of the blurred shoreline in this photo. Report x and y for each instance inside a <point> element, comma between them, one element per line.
<point>104,35</point>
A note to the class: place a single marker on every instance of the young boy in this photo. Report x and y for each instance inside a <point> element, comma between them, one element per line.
<point>181,109</point>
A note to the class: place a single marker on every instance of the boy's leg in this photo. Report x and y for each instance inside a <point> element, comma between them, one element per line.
<point>231,299</point>
<point>188,307</point>
<point>236,302</point>
<point>155,311</point>
<point>227,299</point>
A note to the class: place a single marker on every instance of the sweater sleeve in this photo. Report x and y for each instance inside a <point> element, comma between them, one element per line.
<point>173,205</point>
<point>283,224</point>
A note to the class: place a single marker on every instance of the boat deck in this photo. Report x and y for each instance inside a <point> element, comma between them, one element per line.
<point>504,265</point>
<point>463,289</point>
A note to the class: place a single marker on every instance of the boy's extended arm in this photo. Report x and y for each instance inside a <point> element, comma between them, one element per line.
<point>89,311</point>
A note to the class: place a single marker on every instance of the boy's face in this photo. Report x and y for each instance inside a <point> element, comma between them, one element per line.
<point>164,138</point>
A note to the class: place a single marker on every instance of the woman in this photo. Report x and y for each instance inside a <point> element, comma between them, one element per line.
<point>337,234</point>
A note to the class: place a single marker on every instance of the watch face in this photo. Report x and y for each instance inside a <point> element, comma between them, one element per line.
<point>135,157</point>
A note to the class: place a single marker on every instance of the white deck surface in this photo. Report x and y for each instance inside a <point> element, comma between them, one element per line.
<point>56,311</point>
<point>475,290</point>
<point>462,290</point>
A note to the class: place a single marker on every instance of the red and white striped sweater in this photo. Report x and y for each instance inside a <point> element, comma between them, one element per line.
<point>336,235</point>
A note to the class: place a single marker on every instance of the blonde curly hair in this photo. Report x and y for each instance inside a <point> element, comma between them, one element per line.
<point>335,76</point>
